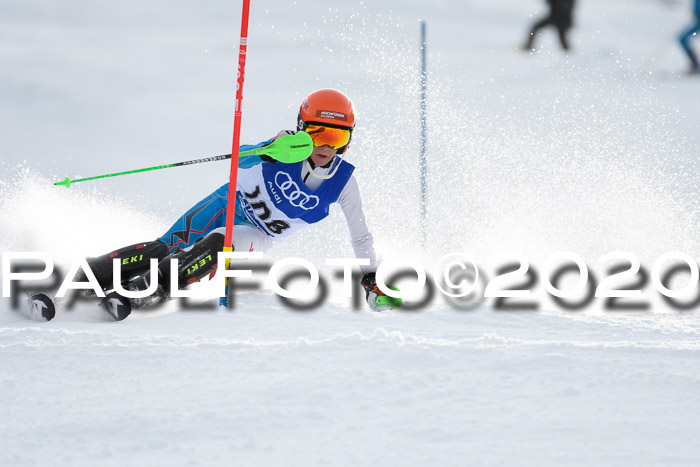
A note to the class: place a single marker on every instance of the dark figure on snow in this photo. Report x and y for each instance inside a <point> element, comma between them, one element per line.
<point>560,13</point>
<point>689,32</point>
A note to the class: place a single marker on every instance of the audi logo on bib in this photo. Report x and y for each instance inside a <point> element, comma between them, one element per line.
<point>296,197</point>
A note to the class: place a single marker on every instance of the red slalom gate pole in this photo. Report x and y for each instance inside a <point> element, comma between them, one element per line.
<point>231,206</point>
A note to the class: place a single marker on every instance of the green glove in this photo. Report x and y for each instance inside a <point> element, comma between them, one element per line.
<point>376,299</point>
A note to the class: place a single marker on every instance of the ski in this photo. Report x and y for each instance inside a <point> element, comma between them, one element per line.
<point>40,307</point>
<point>116,306</point>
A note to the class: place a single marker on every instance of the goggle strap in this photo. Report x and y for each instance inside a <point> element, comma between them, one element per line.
<point>329,125</point>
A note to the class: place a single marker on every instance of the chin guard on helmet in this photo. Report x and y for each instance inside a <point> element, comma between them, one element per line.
<point>338,158</point>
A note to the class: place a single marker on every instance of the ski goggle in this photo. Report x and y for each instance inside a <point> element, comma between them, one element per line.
<point>327,136</point>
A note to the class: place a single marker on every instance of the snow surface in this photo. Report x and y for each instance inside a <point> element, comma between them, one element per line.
<point>539,152</point>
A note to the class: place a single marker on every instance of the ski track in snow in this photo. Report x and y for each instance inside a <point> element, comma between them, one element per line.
<point>438,386</point>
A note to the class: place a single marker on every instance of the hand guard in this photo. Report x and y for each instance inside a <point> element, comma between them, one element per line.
<point>376,299</point>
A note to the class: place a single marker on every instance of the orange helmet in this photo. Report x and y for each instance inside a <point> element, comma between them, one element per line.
<point>330,108</point>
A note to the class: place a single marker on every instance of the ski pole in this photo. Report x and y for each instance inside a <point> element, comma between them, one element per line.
<point>287,149</point>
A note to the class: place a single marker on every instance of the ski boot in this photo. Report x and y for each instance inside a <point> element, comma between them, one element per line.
<point>193,263</point>
<point>142,282</point>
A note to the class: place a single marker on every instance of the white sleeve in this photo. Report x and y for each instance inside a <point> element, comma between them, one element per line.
<point>360,236</point>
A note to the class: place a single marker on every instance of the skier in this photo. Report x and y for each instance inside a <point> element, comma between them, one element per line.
<point>560,13</point>
<point>273,201</point>
<point>684,39</point>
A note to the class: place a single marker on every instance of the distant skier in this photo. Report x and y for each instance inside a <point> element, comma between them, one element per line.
<point>691,31</point>
<point>273,201</point>
<point>560,15</point>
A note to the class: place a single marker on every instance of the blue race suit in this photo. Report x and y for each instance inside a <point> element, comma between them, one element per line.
<point>271,197</point>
